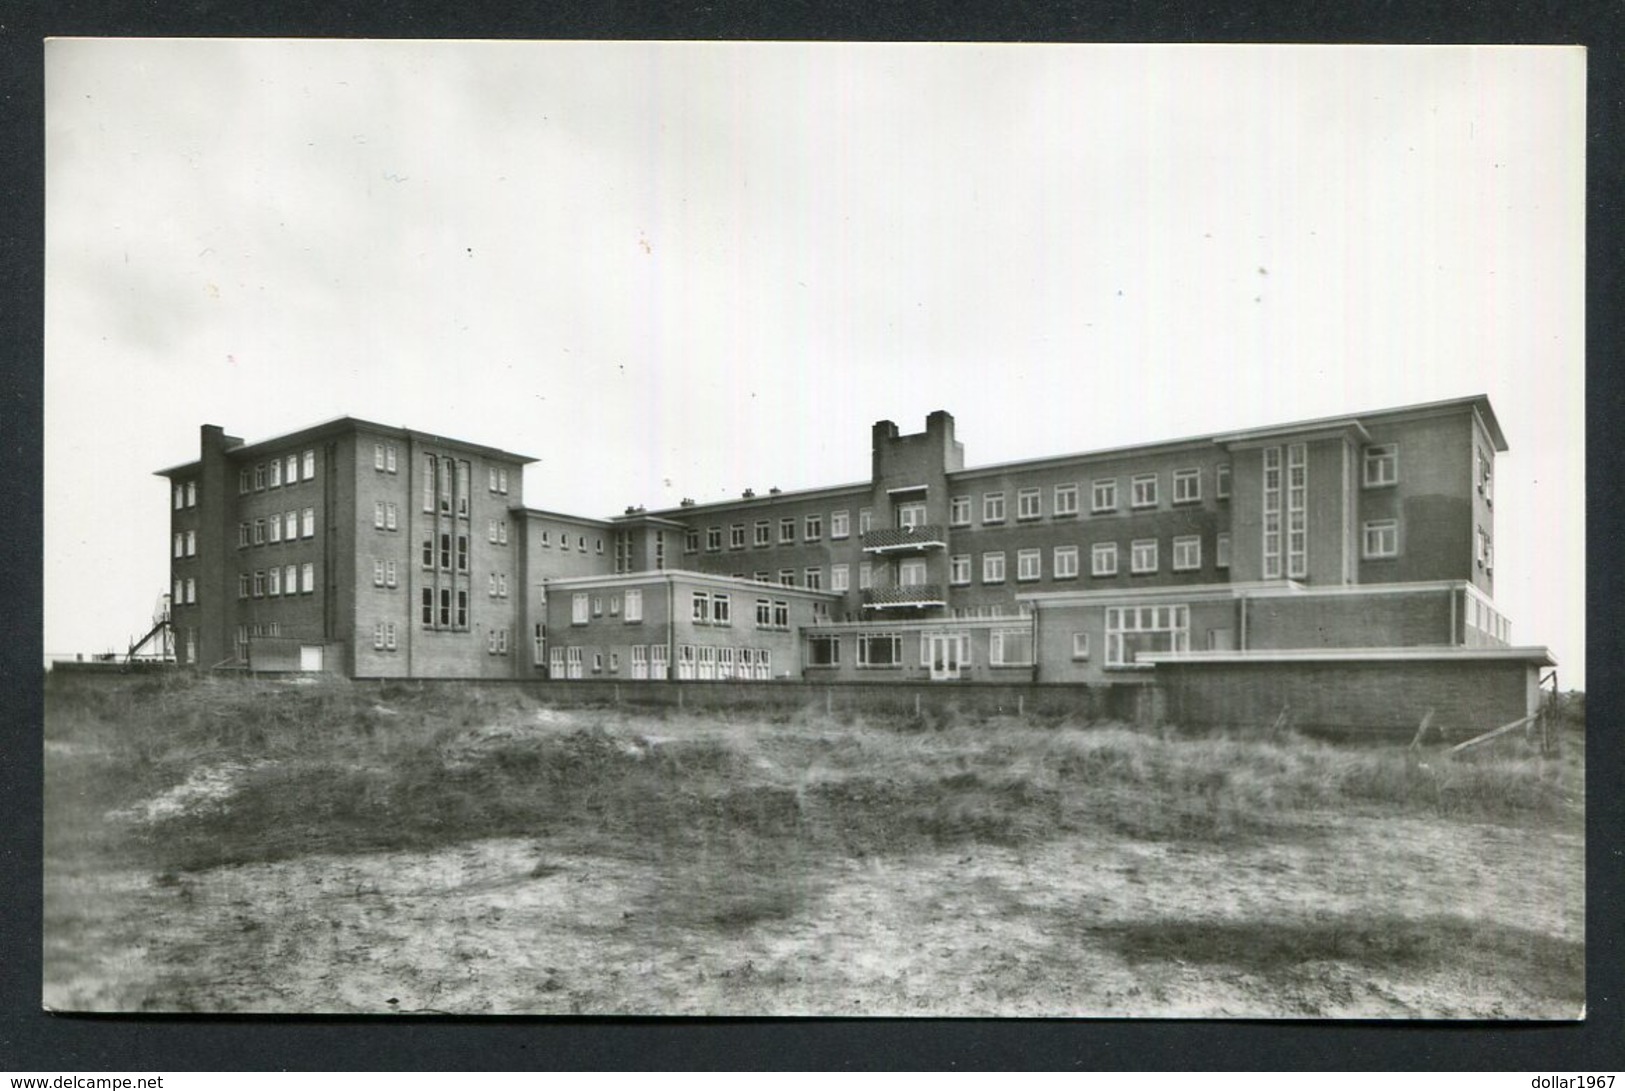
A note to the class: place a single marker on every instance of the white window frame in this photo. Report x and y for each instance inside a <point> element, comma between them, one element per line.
<point>840,577</point>
<point>307,578</point>
<point>864,648</point>
<point>1221,481</point>
<point>993,566</point>
<point>866,521</point>
<point>580,608</point>
<point>1121,621</point>
<point>813,578</point>
<point>1143,556</point>
<point>1029,504</point>
<point>959,511</point>
<point>634,605</point>
<point>1103,495</point>
<point>1379,539</point>
<point>959,570</point>
<point>840,525</point>
<point>1143,491</point>
<point>993,508</point>
<point>866,575</point>
<point>1380,466</point>
<point>736,536</point>
<point>1080,646</point>
<point>1103,559</point>
<point>1065,562</point>
<point>1187,552</point>
<point>762,534</point>
<point>1221,550</point>
<point>1029,565</point>
<point>813,528</point>
<point>1188,485</point>
<point>1066,498</point>
<point>999,646</point>
<point>309,465</point>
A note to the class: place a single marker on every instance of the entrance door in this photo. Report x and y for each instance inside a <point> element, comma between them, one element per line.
<point>945,654</point>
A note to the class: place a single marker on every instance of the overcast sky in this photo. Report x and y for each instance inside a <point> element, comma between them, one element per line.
<point>671,270</point>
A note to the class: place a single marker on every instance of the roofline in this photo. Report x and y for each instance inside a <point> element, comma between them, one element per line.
<point>544,513</point>
<point>1538,654</point>
<point>860,488</point>
<point>1254,589</point>
<point>346,424</point>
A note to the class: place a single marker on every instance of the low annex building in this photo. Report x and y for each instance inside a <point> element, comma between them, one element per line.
<point>377,551</point>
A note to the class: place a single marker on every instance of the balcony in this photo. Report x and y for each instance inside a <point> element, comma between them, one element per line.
<point>916,596</point>
<point>915,539</point>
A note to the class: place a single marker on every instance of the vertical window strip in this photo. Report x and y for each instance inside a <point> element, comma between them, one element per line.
<point>1272,513</point>
<point>1297,525</point>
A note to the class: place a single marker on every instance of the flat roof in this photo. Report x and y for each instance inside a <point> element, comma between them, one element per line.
<point>342,425</point>
<point>1536,654</point>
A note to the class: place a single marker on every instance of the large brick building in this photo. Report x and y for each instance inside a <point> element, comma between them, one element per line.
<point>384,552</point>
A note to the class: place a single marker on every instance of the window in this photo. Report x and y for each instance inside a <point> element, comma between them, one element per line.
<point>736,536</point>
<point>191,590</point>
<point>290,579</point>
<point>273,582</point>
<point>815,579</point>
<point>1187,553</point>
<point>880,650</point>
<point>307,572</point>
<point>660,551</point>
<point>840,525</point>
<point>1144,491</point>
<point>291,521</point>
<point>1381,538</point>
<point>640,661</point>
<point>691,540</point>
<point>959,511</point>
<point>1010,647</point>
<point>275,479</point>
<point>293,469</point>
<point>823,651</point>
<point>764,613</point>
<point>993,507</point>
<point>866,575</point>
<point>1486,477</point>
<point>310,465</point>
<point>1029,564</point>
<point>959,569</point>
<point>243,582</point>
<point>1272,513</point>
<point>389,574</point>
<point>1066,562</point>
<point>634,605</point>
<point>378,514</point>
<point>713,539</point>
<point>1103,496</point>
<point>180,544</point>
<point>259,586</point>
<point>1297,510</point>
<point>572,662</point>
<point>259,532</point>
<point>377,573</point>
<point>787,577</point>
<point>598,606</point>
<point>243,533</point>
<point>764,533</point>
<point>781,614</point>
<point>1066,499</point>
<point>1131,630</point>
<point>993,567</point>
<point>274,527</point>
<point>866,520</point>
<point>389,636</point>
<point>391,517</point>
<point>428,606</point>
<point>259,481</point>
<point>245,481</point>
<point>180,495</point>
<point>787,531</point>
<point>725,663</point>
<point>1187,486</point>
<point>378,635</point>
<point>389,458</point>
<point>1221,481</point>
<point>1143,556</point>
<point>1381,465</point>
<point>700,608</point>
<point>814,529</point>
<point>839,577</point>
<point>722,609</point>
<point>308,522</point>
<point>579,605</point>
<point>378,456</point>
<point>1080,646</point>
<point>1028,504</point>
<point>1221,551</point>
<point>1103,559</point>
<point>491,585</point>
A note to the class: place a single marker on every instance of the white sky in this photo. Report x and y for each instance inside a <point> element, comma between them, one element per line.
<point>676,270</point>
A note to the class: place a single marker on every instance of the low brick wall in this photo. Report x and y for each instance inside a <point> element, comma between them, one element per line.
<point>1350,699</point>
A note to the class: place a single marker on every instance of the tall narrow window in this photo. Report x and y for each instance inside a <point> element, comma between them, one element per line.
<point>1272,513</point>
<point>1297,510</point>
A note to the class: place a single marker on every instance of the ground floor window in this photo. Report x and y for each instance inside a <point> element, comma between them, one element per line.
<point>823,651</point>
<point>1131,630</point>
<point>640,661</point>
<point>1010,647</point>
<point>880,650</point>
<point>572,662</point>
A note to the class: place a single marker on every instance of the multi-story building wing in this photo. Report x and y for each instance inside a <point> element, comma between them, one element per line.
<point>349,546</point>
